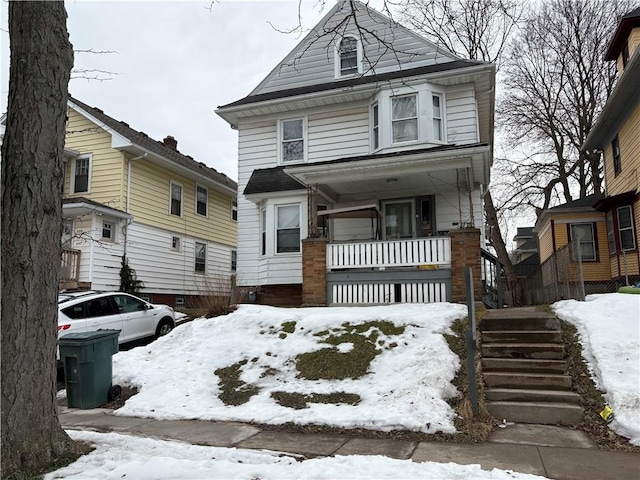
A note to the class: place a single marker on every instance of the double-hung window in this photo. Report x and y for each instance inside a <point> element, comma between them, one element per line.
<point>202,198</point>
<point>348,56</point>
<point>288,229</point>
<point>583,238</point>
<point>375,130</point>
<point>436,100</point>
<point>292,133</point>
<point>625,228</point>
<point>82,169</point>
<point>404,118</point>
<point>615,151</point>
<point>175,207</point>
<point>200,257</point>
<point>234,260</point>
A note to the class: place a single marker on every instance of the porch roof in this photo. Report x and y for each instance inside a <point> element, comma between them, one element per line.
<point>82,205</point>
<point>365,177</point>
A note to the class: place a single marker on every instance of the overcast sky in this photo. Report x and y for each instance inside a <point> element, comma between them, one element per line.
<point>176,62</point>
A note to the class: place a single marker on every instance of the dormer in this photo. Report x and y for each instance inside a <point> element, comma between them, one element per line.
<point>625,41</point>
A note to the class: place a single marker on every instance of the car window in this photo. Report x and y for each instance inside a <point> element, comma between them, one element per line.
<point>74,311</point>
<point>99,307</point>
<point>128,304</point>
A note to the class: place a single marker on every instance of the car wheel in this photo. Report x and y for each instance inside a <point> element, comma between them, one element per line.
<point>115,392</point>
<point>164,327</point>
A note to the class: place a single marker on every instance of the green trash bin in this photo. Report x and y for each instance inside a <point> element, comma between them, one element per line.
<point>87,367</point>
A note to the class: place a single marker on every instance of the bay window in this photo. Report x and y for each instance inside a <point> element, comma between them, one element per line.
<point>436,100</point>
<point>404,118</point>
<point>625,228</point>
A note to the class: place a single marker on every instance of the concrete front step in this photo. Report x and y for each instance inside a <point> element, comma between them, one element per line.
<point>544,413</point>
<point>524,365</point>
<point>525,395</point>
<point>522,336</point>
<point>532,321</point>
<point>527,380</point>
<point>523,350</point>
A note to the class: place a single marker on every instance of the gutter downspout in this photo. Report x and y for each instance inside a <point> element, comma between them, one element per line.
<point>129,221</point>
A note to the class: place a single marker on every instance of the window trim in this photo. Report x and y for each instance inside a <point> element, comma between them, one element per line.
<point>206,202</point>
<point>171,184</point>
<point>299,228</point>
<point>593,241</point>
<point>195,258</point>
<point>72,186</point>
<point>281,140</point>
<point>338,57</point>
<point>176,246</point>
<point>616,156</point>
<point>114,224</point>
<point>631,228</point>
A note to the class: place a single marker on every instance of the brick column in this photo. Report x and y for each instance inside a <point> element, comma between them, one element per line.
<point>314,272</point>
<point>465,252</point>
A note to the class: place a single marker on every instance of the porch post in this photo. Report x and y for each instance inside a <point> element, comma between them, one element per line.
<point>314,272</point>
<point>465,252</point>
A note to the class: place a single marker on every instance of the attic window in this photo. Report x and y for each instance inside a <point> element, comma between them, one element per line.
<point>348,57</point>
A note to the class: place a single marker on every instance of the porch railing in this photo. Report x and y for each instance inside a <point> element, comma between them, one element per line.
<point>70,265</point>
<point>428,252</point>
<point>492,285</point>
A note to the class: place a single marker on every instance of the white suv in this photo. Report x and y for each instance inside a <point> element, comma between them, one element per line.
<point>135,318</point>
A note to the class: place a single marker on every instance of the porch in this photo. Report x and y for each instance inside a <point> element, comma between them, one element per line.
<point>419,270</point>
<point>70,270</point>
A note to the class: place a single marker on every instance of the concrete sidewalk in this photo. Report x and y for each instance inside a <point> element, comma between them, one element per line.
<point>554,452</point>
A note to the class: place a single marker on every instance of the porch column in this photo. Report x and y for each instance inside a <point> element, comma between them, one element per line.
<point>465,252</point>
<point>314,272</point>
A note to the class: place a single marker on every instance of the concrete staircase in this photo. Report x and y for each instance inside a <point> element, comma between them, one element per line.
<point>524,368</point>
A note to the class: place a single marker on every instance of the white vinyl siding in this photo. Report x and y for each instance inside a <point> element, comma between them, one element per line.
<point>461,115</point>
<point>339,134</point>
<point>309,63</point>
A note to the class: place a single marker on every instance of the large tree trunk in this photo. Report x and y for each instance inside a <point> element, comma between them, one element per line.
<point>501,250</point>
<point>32,153</point>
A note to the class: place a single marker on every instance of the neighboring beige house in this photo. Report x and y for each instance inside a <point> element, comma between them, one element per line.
<point>363,159</point>
<point>617,134</point>
<point>127,194</point>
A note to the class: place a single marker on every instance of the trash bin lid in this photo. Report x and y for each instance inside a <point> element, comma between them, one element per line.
<point>88,336</point>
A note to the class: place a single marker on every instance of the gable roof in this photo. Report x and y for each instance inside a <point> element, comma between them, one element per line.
<point>627,22</point>
<point>584,203</point>
<point>385,46</point>
<point>156,147</point>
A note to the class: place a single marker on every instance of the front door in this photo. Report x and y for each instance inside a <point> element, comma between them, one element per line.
<point>398,221</point>
<point>425,217</point>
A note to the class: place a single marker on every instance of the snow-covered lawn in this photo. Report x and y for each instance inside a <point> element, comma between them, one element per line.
<point>406,387</point>
<point>609,330</point>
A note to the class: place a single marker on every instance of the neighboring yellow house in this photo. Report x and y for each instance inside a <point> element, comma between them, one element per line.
<point>571,232</point>
<point>617,134</point>
<point>127,194</point>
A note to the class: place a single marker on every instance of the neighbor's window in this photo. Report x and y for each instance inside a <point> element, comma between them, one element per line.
<point>584,240</point>
<point>263,231</point>
<point>437,117</point>
<point>404,118</point>
<point>348,52</point>
<point>234,260</point>
<point>81,174</point>
<point>176,199</point>
<point>234,210</point>
<point>202,197</point>
<point>175,244</point>
<point>611,233</point>
<point>288,229</point>
<point>201,257</point>
<point>375,130</point>
<point>625,228</point>
<point>615,149</point>
<point>107,230</point>
<point>292,140</point>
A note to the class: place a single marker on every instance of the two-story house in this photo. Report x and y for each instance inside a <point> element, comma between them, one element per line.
<point>126,194</point>
<point>363,159</point>
<point>617,134</point>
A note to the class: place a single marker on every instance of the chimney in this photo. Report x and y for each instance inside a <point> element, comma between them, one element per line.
<point>171,142</point>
